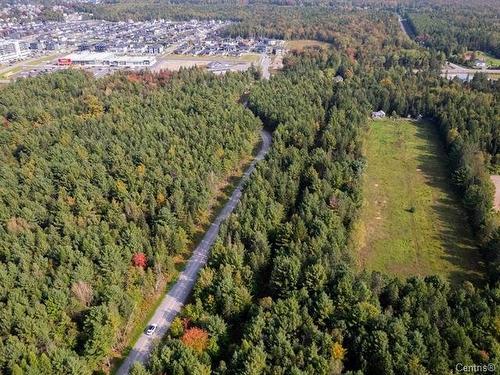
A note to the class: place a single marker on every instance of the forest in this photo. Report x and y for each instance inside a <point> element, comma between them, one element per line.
<point>103,185</point>
<point>452,27</point>
<point>280,294</point>
<point>456,30</point>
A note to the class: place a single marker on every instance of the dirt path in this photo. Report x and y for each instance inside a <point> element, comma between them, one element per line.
<point>496,181</point>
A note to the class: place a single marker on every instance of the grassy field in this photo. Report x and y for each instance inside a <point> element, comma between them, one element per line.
<point>412,223</point>
<point>300,44</point>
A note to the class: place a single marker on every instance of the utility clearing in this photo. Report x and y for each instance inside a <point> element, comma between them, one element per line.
<point>412,222</point>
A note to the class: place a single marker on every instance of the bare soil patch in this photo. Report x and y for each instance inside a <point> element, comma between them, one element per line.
<point>496,201</point>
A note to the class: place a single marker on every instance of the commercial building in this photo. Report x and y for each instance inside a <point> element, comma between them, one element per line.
<point>106,59</point>
<point>13,50</point>
<point>155,49</point>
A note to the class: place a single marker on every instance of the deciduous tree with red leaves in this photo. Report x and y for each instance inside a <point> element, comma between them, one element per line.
<point>195,338</point>
<point>139,260</point>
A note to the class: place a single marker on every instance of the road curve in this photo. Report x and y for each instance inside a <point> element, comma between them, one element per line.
<point>450,69</point>
<point>179,293</point>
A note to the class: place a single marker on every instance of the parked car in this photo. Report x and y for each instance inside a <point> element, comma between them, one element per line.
<point>151,329</point>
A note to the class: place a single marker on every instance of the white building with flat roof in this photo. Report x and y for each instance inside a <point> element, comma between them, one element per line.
<point>13,50</point>
<point>87,58</point>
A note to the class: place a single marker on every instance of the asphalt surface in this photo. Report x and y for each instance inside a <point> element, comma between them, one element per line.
<point>265,60</point>
<point>179,293</point>
<point>451,68</point>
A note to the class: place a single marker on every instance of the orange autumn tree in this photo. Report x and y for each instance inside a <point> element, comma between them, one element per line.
<point>139,260</point>
<point>196,339</point>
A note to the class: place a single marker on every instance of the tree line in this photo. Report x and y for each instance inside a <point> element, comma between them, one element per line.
<point>341,26</point>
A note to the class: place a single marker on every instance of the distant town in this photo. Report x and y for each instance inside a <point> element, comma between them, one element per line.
<point>34,47</point>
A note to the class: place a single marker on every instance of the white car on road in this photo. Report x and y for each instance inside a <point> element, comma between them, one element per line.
<point>151,329</point>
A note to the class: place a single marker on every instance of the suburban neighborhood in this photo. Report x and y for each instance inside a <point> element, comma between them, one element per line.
<point>103,47</point>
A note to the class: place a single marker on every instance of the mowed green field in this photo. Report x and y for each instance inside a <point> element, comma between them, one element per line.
<point>412,222</point>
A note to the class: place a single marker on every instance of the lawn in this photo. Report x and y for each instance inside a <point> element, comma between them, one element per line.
<point>14,70</point>
<point>44,59</point>
<point>411,221</point>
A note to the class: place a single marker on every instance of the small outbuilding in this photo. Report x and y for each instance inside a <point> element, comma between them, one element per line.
<point>480,64</point>
<point>378,115</point>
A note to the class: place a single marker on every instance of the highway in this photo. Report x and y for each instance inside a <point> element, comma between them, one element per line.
<point>180,292</point>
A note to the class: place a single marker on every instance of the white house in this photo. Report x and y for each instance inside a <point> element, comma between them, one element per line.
<point>480,64</point>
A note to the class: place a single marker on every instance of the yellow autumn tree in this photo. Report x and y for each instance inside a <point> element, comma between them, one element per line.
<point>338,351</point>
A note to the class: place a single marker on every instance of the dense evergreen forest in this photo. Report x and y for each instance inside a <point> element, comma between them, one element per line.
<point>280,294</point>
<point>102,184</point>
<point>456,30</point>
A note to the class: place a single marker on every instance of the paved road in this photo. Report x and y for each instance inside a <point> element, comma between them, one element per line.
<point>265,61</point>
<point>178,295</point>
<point>404,27</point>
<point>450,69</point>
<point>453,69</point>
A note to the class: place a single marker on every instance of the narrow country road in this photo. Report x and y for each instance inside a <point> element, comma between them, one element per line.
<point>453,69</point>
<point>179,293</point>
<point>404,27</point>
<point>264,62</point>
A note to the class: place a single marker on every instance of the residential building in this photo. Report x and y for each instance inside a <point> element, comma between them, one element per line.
<point>480,64</point>
<point>155,49</point>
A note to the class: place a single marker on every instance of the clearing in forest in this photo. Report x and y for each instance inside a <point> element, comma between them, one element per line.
<point>491,61</point>
<point>412,222</point>
<point>300,44</point>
